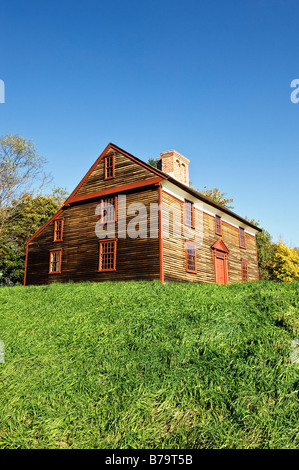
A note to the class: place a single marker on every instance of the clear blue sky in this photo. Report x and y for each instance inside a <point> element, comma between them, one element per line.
<point>210,79</point>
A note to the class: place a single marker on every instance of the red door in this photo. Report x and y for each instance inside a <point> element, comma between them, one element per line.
<point>220,268</point>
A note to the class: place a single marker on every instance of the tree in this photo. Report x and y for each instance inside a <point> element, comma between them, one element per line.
<point>21,172</point>
<point>26,216</point>
<point>152,162</point>
<point>216,196</point>
<point>277,261</point>
<point>285,263</point>
<point>265,254</point>
<point>59,195</point>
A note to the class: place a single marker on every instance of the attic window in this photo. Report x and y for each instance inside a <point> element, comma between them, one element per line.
<point>58,229</point>
<point>189,213</point>
<point>109,167</point>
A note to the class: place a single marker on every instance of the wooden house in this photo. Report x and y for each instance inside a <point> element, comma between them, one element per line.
<point>127,220</point>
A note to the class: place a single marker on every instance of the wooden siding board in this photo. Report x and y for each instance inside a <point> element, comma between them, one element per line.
<point>174,249</point>
<point>126,171</point>
<point>136,258</point>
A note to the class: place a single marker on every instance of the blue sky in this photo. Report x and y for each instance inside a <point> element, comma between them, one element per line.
<point>210,79</point>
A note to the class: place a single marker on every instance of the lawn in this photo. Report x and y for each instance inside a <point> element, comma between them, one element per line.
<point>147,365</point>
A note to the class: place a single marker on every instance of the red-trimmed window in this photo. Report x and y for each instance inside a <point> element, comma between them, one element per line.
<point>55,261</point>
<point>218,225</point>
<point>107,255</point>
<point>244,268</point>
<point>191,257</point>
<point>242,237</point>
<point>109,167</point>
<point>108,209</point>
<point>58,230</point>
<point>189,213</point>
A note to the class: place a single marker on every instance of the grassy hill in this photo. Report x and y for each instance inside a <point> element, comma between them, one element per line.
<point>146,365</point>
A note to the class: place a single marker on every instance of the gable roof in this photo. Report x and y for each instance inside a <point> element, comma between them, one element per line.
<point>157,172</point>
<point>191,191</point>
<point>103,154</point>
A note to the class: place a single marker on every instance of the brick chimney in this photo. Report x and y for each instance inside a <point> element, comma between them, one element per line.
<point>175,165</point>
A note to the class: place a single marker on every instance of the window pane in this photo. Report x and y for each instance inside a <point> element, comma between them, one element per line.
<point>58,230</point>
<point>244,271</point>
<point>107,255</point>
<point>191,257</point>
<point>54,261</point>
<point>242,238</point>
<point>108,210</point>
<point>109,167</point>
<point>189,213</point>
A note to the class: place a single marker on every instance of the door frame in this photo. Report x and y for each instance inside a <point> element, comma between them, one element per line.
<point>220,248</point>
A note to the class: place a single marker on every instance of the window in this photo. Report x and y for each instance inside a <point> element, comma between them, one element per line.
<point>55,261</point>
<point>58,229</point>
<point>218,227</point>
<point>108,209</point>
<point>242,237</point>
<point>107,258</point>
<point>191,257</point>
<point>189,213</point>
<point>244,265</point>
<point>109,167</point>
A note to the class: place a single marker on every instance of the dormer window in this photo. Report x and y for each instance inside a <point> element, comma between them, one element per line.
<point>109,167</point>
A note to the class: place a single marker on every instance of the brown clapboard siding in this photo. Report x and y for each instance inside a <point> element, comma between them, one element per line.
<point>148,258</point>
<point>135,258</point>
<point>126,171</point>
<point>174,256</point>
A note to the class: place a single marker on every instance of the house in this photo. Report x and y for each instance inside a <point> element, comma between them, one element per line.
<point>127,220</point>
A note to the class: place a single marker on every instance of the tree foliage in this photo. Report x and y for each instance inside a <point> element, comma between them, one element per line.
<point>285,266</point>
<point>25,218</point>
<point>152,162</point>
<point>265,253</point>
<point>216,196</point>
<point>23,210</point>
<point>21,172</point>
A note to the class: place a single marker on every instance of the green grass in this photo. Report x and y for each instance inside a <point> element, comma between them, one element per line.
<point>146,365</point>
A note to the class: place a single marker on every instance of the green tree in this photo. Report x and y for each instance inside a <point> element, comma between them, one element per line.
<point>217,196</point>
<point>152,162</point>
<point>265,254</point>
<point>285,264</point>
<point>265,251</point>
<point>21,172</point>
<point>25,218</point>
